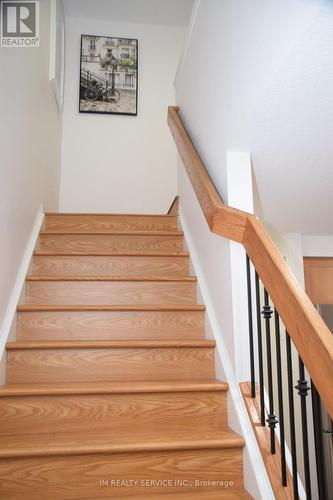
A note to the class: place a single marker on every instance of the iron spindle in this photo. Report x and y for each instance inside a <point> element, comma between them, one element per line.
<point>280,397</point>
<point>303,388</point>
<point>260,356</point>
<point>292,416</point>
<point>317,430</point>
<point>249,308</point>
<point>271,420</point>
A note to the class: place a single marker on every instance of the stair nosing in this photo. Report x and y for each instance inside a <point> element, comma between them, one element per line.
<point>229,440</point>
<point>50,253</point>
<point>105,214</point>
<point>108,344</point>
<point>180,278</point>
<point>109,307</point>
<point>45,232</point>
<point>140,387</point>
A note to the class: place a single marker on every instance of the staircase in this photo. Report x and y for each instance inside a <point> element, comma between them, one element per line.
<point>111,388</point>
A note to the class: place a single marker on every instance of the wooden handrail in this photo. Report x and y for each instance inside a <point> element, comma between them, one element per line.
<point>312,338</point>
<point>173,210</point>
<point>222,220</point>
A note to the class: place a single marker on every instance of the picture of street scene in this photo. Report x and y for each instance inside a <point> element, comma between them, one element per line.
<point>108,75</point>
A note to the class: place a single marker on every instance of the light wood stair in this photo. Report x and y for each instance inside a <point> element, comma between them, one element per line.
<point>85,361</point>
<point>110,322</point>
<point>163,241</point>
<point>111,377</point>
<point>111,265</point>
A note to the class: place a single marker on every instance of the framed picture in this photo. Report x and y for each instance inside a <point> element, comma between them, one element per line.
<point>108,75</point>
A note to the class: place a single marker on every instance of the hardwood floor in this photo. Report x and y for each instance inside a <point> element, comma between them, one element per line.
<point>111,378</point>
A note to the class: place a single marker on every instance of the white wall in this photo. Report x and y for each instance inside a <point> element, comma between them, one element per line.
<point>317,245</point>
<point>30,138</point>
<point>118,163</point>
<point>258,77</point>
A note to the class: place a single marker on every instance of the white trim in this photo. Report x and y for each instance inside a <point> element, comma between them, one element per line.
<point>19,283</point>
<point>187,39</point>
<point>57,81</point>
<point>240,195</point>
<point>257,464</point>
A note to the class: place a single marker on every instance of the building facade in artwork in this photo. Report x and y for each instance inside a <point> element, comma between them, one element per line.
<point>111,58</point>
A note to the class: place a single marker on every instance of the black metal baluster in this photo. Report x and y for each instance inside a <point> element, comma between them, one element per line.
<point>317,430</point>
<point>271,420</point>
<point>292,416</point>
<point>303,388</point>
<point>260,362</point>
<point>249,309</point>
<point>280,396</point>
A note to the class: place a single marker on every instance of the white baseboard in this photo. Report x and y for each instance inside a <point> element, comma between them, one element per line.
<point>20,280</point>
<point>260,477</point>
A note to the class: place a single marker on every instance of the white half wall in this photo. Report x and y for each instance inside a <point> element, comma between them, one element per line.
<point>214,262</point>
<point>30,146</point>
<point>113,163</point>
<point>240,195</point>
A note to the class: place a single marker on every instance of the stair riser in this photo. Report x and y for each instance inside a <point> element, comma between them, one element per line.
<point>110,325</point>
<point>109,223</point>
<point>117,364</point>
<point>83,476</point>
<point>110,266</point>
<point>110,243</point>
<point>109,292</point>
<point>120,412</point>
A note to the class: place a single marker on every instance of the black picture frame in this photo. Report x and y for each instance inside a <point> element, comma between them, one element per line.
<point>108,75</point>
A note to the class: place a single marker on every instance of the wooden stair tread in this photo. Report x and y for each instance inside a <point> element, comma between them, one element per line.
<point>139,232</point>
<point>52,389</point>
<point>32,277</point>
<point>111,307</point>
<point>102,344</point>
<point>112,233</point>
<point>28,445</point>
<point>114,253</point>
<point>105,214</point>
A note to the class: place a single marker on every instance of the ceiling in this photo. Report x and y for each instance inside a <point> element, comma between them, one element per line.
<point>165,12</point>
